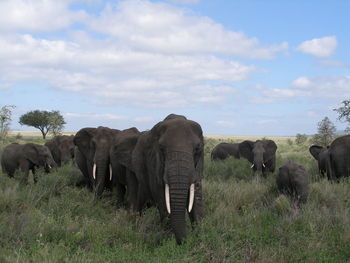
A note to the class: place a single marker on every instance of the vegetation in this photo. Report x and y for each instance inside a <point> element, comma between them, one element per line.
<point>246,220</point>
<point>344,113</point>
<point>326,132</point>
<point>45,121</point>
<point>300,138</point>
<point>5,121</point>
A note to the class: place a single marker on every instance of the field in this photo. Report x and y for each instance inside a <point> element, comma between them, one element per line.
<point>246,220</point>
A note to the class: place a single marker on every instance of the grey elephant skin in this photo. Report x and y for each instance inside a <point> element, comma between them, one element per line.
<point>124,178</point>
<point>92,156</point>
<point>320,153</point>
<point>224,150</point>
<point>339,158</point>
<point>62,148</point>
<point>292,180</point>
<point>26,157</point>
<point>261,154</point>
<point>168,162</point>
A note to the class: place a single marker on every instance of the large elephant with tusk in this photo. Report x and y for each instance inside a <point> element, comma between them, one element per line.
<point>92,156</point>
<point>168,162</point>
<point>261,154</point>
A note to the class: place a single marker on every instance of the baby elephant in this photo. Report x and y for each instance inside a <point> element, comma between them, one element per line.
<point>26,157</point>
<point>292,180</point>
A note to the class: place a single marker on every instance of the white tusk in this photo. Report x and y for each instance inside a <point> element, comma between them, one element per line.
<point>264,165</point>
<point>110,172</point>
<point>190,203</point>
<point>252,166</point>
<point>167,198</point>
<point>94,172</point>
<point>50,167</point>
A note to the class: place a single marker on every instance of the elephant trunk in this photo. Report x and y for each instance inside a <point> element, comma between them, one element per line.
<point>100,171</point>
<point>180,175</point>
<point>178,203</point>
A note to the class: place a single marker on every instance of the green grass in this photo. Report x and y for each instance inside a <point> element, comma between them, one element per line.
<point>246,220</point>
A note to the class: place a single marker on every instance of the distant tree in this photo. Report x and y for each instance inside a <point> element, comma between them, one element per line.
<point>300,138</point>
<point>326,132</point>
<point>5,120</point>
<point>344,113</point>
<point>45,121</point>
<point>57,123</point>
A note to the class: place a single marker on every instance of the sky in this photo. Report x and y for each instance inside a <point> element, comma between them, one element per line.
<point>237,67</point>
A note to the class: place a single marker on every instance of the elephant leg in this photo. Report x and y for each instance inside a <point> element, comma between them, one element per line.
<point>131,189</point>
<point>197,210</point>
<point>120,188</point>
<point>24,166</point>
<point>142,198</point>
<point>35,176</point>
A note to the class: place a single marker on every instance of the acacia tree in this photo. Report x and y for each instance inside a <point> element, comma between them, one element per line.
<point>344,113</point>
<point>45,121</point>
<point>326,132</point>
<point>5,120</point>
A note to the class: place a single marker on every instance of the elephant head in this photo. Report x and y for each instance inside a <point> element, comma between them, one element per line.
<point>94,144</point>
<point>62,148</point>
<point>261,153</point>
<point>39,155</point>
<point>320,153</point>
<point>177,150</point>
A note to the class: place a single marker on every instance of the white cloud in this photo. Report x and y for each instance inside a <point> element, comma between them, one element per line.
<point>160,27</point>
<point>301,82</point>
<point>106,116</point>
<point>333,63</point>
<point>329,87</point>
<point>37,15</point>
<point>185,1</point>
<point>319,47</point>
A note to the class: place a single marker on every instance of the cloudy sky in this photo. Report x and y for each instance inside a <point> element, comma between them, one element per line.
<point>234,66</point>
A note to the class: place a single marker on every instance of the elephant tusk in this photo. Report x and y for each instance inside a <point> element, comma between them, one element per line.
<point>167,198</point>
<point>50,167</point>
<point>252,166</point>
<point>190,203</point>
<point>110,172</point>
<point>94,172</point>
<point>264,165</point>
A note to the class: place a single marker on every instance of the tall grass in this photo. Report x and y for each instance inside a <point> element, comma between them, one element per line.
<point>246,220</point>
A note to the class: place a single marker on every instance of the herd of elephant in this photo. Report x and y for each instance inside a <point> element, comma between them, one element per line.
<point>163,166</point>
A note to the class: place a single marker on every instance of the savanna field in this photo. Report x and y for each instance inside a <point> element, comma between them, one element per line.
<point>246,220</point>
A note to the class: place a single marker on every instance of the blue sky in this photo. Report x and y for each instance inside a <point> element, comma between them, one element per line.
<point>236,67</point>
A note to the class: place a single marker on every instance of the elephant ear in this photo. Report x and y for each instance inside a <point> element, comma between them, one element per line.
<point>82,139</point>
<point>315,151</point>
<point>123,150</point>
<point>246,150</point>
<point>31,153</point>
<point>270,149</point>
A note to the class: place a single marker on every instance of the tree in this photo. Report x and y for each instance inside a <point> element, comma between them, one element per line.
<point>5,120</point>
<point>45,121</point>
<point>300,138</point>
<point>326,132</point>
<point>344,113</point>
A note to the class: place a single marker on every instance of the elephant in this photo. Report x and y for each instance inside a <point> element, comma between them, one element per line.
<point>339,158</point>
<point>124,177</point>
<point>168,163</point>
<point>292,180</point>
<point>320,153</point>
<point>26,157</point>
<point>224,150</point>
<point>62,148</point>
<point>261,154</point>
<point>92,156</point>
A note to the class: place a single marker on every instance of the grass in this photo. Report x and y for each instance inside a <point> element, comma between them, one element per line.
<point>246,219</point>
